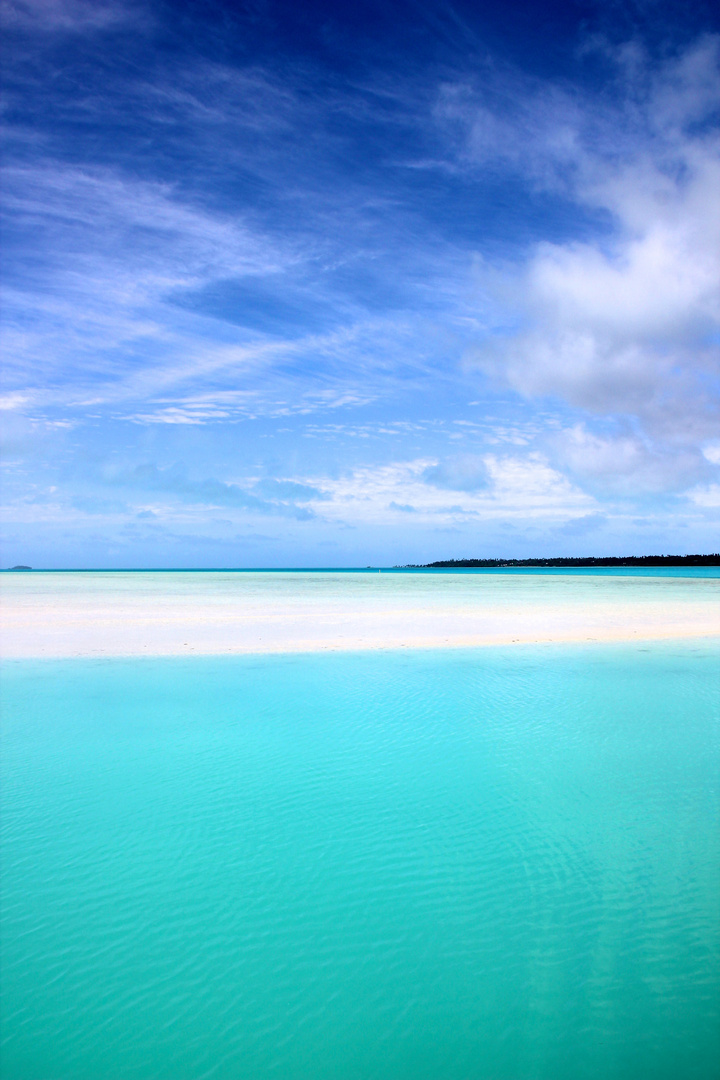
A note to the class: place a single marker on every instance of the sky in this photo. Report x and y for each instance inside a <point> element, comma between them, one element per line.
<point>359,284</point>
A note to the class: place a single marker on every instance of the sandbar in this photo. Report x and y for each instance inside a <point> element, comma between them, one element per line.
<point>105,614</point>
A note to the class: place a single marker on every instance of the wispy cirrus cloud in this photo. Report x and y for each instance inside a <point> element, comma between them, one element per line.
<point>269,497</point>
<point>66,16</point>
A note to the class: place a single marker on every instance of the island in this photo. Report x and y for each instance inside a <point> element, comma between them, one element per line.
<point>571,562</point>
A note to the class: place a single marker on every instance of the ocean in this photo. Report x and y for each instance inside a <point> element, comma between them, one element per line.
<point>415,864</point>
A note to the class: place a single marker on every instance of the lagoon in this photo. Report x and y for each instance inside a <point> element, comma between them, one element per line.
<point>498,861</point>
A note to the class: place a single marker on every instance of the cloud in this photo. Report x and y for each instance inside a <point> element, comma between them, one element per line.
<point>91,219</point>
<point>627,324</point>
<point>531,486</point>
<point>514,489</point>
<point>78,16</point>
<point>464,473</point>
<point>707,497</point>
<point>626,462</point>
<point>504,120</point>
<point>93,256</point>
<point>109,300</point>
<point>582,526</point>
<point>12,401</point>
<point>206,492</point>
<point>289,490</point>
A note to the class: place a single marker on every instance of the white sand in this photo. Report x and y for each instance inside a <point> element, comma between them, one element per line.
<point>165,614</point>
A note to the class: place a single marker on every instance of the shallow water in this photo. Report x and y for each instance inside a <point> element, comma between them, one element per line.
<point>116,613</point>
<point>458,864</point>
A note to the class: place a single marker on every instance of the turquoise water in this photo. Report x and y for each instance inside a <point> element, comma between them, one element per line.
<point>505,571</point>
<point>457,864</point>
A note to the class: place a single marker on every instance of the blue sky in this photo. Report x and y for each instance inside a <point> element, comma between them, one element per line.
<point>313,284</point>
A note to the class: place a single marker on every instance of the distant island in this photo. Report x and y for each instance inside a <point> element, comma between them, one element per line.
<point>21,567</point>
<point>629,560</point>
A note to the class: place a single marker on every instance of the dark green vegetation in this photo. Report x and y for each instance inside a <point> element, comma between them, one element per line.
<point>630,560</point>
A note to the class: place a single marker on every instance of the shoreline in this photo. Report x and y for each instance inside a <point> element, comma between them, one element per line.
<point>310,648</point>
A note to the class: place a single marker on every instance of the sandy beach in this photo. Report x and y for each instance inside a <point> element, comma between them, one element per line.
<point>206,613</point>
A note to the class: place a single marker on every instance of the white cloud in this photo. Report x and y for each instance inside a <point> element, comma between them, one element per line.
<point>625,463</point>
<point>9,402</point>
<point>628,324</point>
<point>513,489</point>
<point>707,497</point>
<point>621,330</point>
